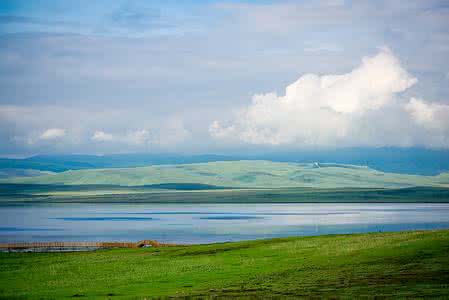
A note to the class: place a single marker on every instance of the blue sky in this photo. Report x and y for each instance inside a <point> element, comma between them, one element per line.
<point>211,76</point>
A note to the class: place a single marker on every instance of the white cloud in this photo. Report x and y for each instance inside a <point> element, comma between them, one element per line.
<point>360,108</point>
<point>53,133</point>
<point>106,131</point>
<point>370,86</point>
<point>137,137</point>
<point>101,136</point>
<point>431,115</point>
<point>132,137</point>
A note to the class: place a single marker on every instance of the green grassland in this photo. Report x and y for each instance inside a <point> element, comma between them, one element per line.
<point>32,194</point>
<point>242,174</point>
<point>401,265</point>
<point>228,182</point>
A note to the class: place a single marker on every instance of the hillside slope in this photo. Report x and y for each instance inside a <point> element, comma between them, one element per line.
<point>418,161</point>
<point>242,174</point>
<point>388,265</point>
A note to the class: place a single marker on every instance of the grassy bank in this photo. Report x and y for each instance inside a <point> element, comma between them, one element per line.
<point>22,193</point>
<point>402,264</point>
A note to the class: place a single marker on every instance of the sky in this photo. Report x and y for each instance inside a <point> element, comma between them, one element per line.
<point>122,76</point>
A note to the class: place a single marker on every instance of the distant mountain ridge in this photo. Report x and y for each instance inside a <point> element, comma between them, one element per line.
<point>241,174</point>
<point>394,160</point>
<point>61,163</point>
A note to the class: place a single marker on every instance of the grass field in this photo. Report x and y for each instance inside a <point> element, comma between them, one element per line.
<point>31,193</point>
<point>402,264</point>
<point>242,174</point>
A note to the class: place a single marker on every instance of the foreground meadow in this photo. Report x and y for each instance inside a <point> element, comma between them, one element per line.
<point>402,264</point>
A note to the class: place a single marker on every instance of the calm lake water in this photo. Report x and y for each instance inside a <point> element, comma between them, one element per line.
<point>206,223</point>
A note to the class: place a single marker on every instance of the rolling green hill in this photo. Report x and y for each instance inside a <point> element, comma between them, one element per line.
<point>418,161</point>
<point>242,174</point>
<point>398,265</point>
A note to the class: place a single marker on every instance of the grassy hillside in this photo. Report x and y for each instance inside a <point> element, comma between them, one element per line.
<point>392,265</point>
<point>242,174</point>
<point>395,160</point>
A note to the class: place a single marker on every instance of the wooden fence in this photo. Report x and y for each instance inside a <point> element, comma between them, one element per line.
<point>67,246</point>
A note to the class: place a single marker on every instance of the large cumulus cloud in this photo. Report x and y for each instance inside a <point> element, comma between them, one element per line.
<point>364,107</point>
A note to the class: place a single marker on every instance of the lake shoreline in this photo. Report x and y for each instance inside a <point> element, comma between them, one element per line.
<point>26,194</point>
<point>83,246</point>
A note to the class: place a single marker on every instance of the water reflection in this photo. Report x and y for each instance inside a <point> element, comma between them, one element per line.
<point>204,223</point>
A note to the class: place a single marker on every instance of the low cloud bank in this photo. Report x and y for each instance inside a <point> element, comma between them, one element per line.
<point>49,129</point>
<point>52,134</point>
<point>136,137</point>
<point>361,108</point>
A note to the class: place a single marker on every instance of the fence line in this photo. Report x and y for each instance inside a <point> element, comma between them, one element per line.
<point>80,245</point>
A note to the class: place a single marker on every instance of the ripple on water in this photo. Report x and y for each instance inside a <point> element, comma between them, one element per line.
<point>104,219</point>
<point>230,218</point>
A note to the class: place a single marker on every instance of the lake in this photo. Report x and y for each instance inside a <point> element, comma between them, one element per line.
<point>207,223</point>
